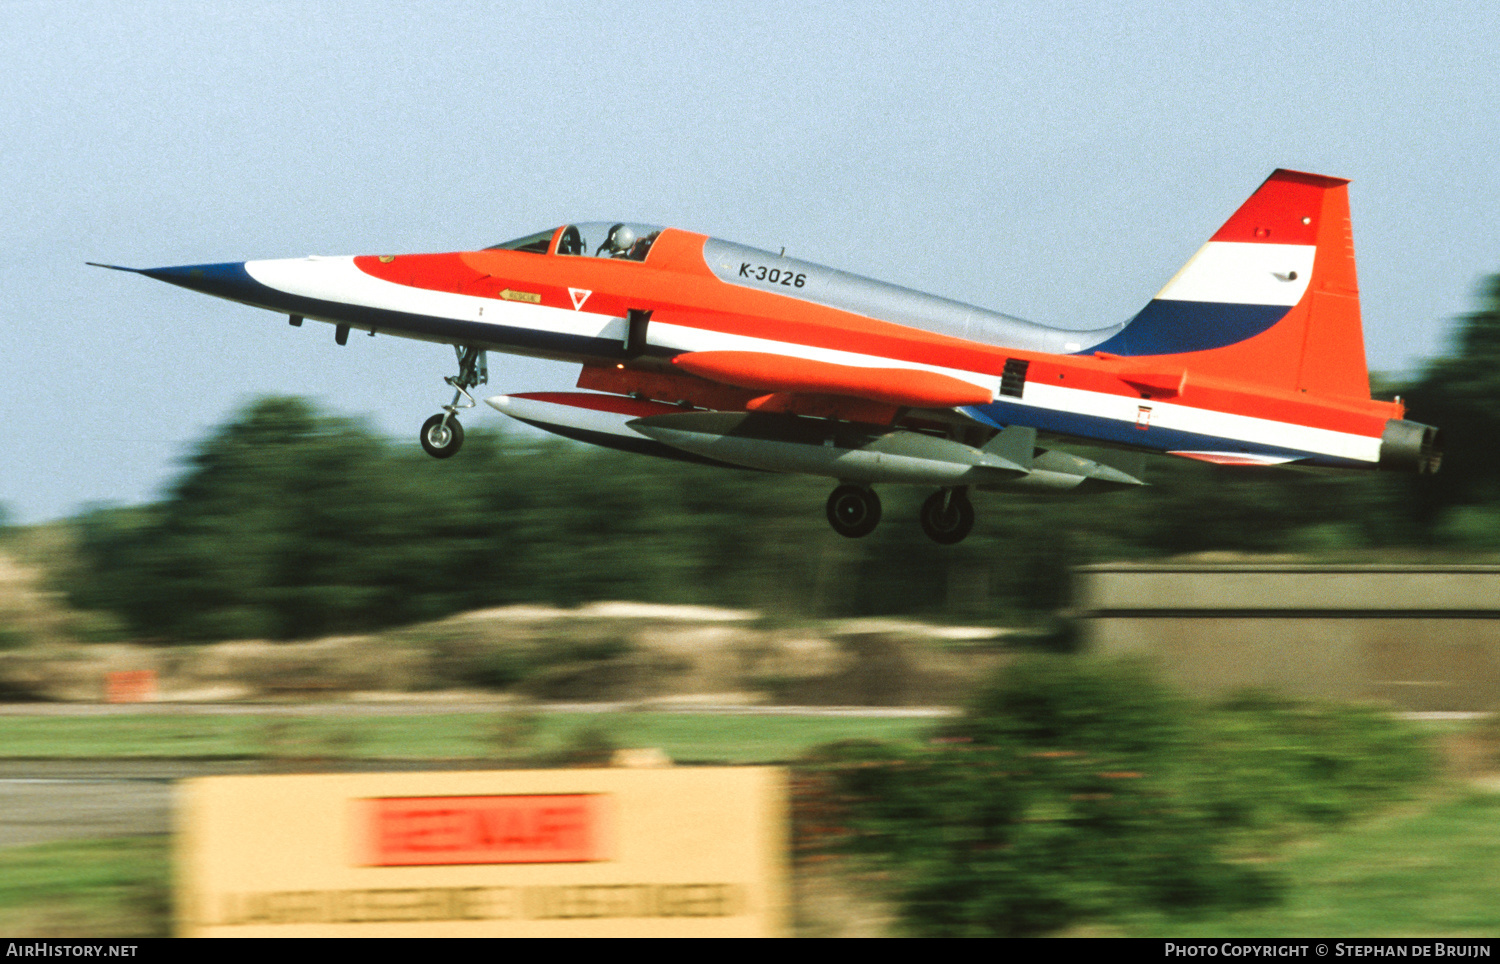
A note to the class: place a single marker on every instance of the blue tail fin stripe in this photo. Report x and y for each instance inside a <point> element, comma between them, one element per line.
<point>1173,327</point>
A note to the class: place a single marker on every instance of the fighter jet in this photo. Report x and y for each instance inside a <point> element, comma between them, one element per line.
<point>694,348</point>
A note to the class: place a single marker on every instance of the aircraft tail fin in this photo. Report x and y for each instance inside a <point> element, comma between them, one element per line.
<point>1271,298</point>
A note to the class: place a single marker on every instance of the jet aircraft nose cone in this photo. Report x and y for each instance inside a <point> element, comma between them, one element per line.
<point>227,280</point>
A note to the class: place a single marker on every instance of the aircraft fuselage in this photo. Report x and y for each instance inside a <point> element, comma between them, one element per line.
<point>1252,354</point>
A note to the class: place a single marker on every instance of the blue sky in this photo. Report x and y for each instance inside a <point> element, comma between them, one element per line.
<point>1054,161</point>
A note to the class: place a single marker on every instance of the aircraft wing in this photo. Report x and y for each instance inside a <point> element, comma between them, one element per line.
<point>771,373</point>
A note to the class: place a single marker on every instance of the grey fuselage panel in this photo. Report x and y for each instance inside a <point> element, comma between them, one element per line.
<point>748,267</point>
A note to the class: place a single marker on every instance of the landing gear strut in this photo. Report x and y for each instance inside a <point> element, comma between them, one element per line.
<point>947,516</point>
<point>442,436</point>
<point>853,511</point>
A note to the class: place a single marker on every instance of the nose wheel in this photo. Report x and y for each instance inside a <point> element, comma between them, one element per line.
<point>853,511</point>
<point>442,436</point>
<point>947,516</point>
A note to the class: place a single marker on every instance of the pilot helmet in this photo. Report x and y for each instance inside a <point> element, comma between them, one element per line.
<point>621,238</point>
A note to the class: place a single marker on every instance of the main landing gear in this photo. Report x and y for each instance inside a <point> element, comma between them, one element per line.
<point>442,436</point>
<point>947,516</point>
<point>853,511</point>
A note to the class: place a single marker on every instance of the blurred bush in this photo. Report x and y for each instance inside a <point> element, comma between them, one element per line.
<point>1074,790</point>
<point>579,661</point>
<point>1271,767</point>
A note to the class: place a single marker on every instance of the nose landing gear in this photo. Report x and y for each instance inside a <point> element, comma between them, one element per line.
<point>442,435</point>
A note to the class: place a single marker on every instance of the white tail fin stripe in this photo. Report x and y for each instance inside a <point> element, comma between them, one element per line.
<point>1237,272</point>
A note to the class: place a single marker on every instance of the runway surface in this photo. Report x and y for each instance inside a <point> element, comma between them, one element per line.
<point>45,800</point>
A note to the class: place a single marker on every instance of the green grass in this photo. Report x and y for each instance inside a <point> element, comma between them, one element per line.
<point>87,888</point>
<point>685,737</point>
<point>1426,870</point>
<point>74,737</point>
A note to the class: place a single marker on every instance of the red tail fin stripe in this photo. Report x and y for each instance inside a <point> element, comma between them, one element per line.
<point>1283,211</point>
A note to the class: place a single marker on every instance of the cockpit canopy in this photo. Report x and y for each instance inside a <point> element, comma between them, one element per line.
<point>593,239</point>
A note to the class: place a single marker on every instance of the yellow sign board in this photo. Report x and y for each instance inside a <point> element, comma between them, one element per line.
<point>678,851</point>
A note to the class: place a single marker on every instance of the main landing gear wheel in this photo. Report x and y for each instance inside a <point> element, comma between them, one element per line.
<point>853,511</point>
<point>947,516</point>
<point>440,438</point>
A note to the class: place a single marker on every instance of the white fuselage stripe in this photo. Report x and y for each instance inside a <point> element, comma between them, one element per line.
<point>339,280</point>
<point>1202,421</point>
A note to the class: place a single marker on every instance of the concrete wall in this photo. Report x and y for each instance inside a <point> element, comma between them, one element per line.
<point>1420,638</point>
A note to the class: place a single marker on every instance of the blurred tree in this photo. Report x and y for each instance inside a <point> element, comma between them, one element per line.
<point>290,524</point>
<point>1460,393</point>
<point>254,539</point>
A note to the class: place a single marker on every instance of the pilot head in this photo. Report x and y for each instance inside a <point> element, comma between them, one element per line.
<point>621,239</point>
